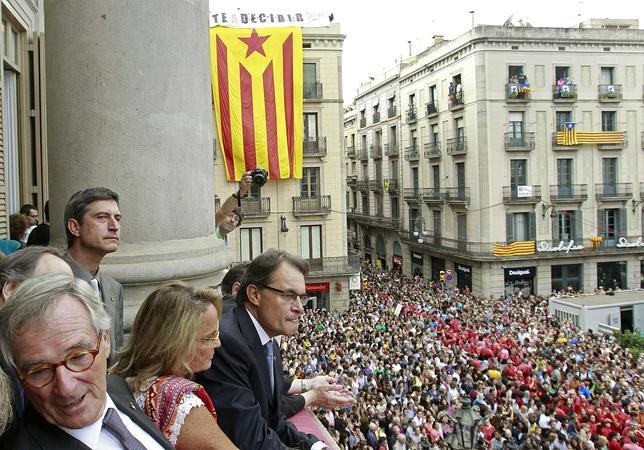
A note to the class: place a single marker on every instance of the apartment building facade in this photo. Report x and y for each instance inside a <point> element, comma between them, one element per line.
<point>490,196</point>
<point>306,217</point>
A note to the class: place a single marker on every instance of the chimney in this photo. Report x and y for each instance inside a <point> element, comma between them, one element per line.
<point>437,39</point>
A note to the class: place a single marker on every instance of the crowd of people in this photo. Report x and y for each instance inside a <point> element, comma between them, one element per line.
<point>410,353</point>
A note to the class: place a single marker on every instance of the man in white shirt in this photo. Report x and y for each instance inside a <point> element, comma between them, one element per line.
<point>55,333</point>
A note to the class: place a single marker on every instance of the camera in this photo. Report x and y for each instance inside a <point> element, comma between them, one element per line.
<point>259,176</point>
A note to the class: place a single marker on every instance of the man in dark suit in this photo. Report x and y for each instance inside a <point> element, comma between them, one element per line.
<point>245,380</point>
<point>92,225</point>
<point>72,402</point>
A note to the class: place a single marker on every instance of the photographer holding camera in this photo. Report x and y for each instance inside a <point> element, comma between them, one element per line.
<point>230,214</point>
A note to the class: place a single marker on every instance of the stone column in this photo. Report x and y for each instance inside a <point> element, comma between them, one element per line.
<point>129,108</point>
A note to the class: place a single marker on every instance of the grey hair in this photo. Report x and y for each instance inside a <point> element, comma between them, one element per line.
<point>20,265</point>
<point>6,402</point>
<point>31,303</point>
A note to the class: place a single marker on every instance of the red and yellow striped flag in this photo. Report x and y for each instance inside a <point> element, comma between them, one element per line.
<point>257,86</point>
<point>518,248</point>
<point>570,134</point>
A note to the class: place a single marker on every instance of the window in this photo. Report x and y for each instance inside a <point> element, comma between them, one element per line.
<point>413,139</point>
<point>518,177</point>
<point>310,127</point>
<point>608,75</point>
<point>461,220</point>
<point>516,125</point>
<point>562,73</point>
<point>414,178</point>
<point>379,205</point>
<point>460,177</point>
<point>609,121</point>
<point>432,94</point>
<point>309,186</point>
<point>412,102</point>
<point>437,222</point>
<point>520,227</point>
<point>393,169</point>
<point>393,137</point>
<point>365,172</point>
<point>395,207</point>
<point>251,243</point>
<point>434,136</point>
<point>460,129</point>
<point>365,204</point>
<point>391,107</point>
<point>415,222</point>
<point>609,169</point>
<point>311,241</point>
<point>612,224</point>
<point>377,139</point>
<point>561,117</point>
<point>310,80</point>
<point>564,177</point>
<point>436,177</point>
<point>378,170</point>
<point>567,225</point>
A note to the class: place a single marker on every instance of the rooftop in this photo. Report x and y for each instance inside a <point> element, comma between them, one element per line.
<point>622,298</point>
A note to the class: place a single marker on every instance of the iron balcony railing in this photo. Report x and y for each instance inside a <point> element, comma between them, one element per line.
<point>431,108</point>
<point>391,185</point>
<point>376,117</point>
<point>412,153</point>
<point>313,90</point>
<point>376,151</point>
<point>615,145</point>
<point>256,207</point>
<point>564,92</point>
<point>613,190</point>
<point>363,122</point>
<point>456,101</point>
<point>316,204</point>
<point>377,220</point>
<point>334,264</point>
<point>352,180</point>
<point>411,115</point>
<point>434,195</point>
<point>363,154</point>
<point>351,152</point>
<point>522,194</point>
<point>391,112</point>
<point>375,185</point>
<point>314,147</point>
<point>457,145</point>
<point>412,193</point>
<point>519,140</point>
<point>391,149</point>
<point>568,192</point>
<point>457,194</point>
<point>362,185</point>
<point>609,92</point>
<point>518,92</point>
<point>433,149</point>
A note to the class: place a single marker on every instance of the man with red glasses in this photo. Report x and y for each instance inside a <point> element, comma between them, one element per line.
<point>55,333</point>
<point>246,378</point>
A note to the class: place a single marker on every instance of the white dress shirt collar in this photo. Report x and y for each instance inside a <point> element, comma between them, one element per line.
<point>263,335</point>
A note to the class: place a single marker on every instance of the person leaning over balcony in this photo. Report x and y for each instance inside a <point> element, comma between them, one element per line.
<point>175,333</point>
<point>230,214</point>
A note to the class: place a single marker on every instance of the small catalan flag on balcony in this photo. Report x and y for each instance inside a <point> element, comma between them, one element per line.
<point>570,134</point>
<point>519,248</point>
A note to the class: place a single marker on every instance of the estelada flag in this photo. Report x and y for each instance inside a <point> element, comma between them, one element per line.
<point>570,134</point>
<point>257,85</point>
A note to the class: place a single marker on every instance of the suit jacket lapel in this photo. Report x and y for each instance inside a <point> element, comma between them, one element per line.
<point>49,436</point>
<point>124,401</point>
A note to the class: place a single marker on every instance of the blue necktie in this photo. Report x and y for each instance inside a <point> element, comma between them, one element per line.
<point>270,358</point>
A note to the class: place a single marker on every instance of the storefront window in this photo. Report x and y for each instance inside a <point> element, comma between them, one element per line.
<point>611,275</point>
<point>566,278</point>
<point>519,281</point>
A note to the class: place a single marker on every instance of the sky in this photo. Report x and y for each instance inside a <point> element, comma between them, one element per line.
<point>377,33</point>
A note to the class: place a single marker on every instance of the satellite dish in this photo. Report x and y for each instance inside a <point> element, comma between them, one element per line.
<point>508,22</point>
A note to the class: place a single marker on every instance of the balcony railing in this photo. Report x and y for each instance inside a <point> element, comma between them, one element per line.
<point>391,112</point>
<point>609,92</point>
<point>522,194</point>
<point>314,147</point>
<point>615,145</point>
<point>413,194</point>
<point>351,152</point>
<point>457,194</point>
<point>457,145</point>
<point>556,146</point>
<point>376,151</point>
<point>522,141</point>
<point>607,191</point>
<point>433,150</point>
<point>412,153</point>
<point>352,180</point>
<point>363,154</point>
<point>391,185</point>
<point>411,115</point>
<point>434,195</point>
<point>256,207</point>
<point>456,101</point>
<point>391,149</point>
<point>362,185</point>
<point>313,91</point>
<point>566,92</point>
<point>517,92</point>
<point>376,117</point>
<point>320,204</point>
<point>568,192</point>
<point>378,220</point>
<point>375,185</point>
<point>334,264</point>
<point>363,122</point>
<point>431,108</point>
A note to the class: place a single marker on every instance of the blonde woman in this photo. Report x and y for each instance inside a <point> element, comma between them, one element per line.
<point>175,334</point>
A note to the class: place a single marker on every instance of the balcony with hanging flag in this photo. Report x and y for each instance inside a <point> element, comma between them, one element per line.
<point>605,139</point>
<point>257,83</point>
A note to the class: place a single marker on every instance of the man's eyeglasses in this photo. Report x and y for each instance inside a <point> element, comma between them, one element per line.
<point>80,361</point>
<point>289,295</point>
<point>211,340</point>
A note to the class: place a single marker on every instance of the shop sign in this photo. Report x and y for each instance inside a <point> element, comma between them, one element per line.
<point>317,287</point>
<point>625,243</point>
<point>396,260</point>
<point>417,258</point>
<point>463,269</point>
<point>520,272</point>
<point>354,282</point>
<point>545,246</point>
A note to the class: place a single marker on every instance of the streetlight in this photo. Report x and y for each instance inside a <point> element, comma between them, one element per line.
<point>466,423</point>
<point>419,229</point>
